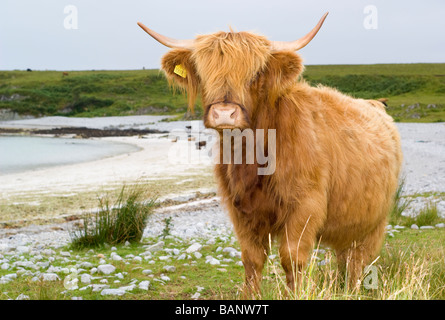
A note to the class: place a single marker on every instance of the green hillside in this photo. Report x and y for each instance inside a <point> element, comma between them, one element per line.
<point>416,92</point>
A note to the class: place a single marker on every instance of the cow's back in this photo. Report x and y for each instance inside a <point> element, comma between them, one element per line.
<point>363,145</point>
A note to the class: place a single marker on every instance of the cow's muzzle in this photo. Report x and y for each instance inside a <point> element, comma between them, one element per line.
<point>225,115</point>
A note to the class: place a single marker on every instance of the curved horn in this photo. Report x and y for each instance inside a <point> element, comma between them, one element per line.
<point>300,43</point>
<point>166,41</point>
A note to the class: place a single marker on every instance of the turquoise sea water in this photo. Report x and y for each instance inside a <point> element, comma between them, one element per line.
<point>18,154</point>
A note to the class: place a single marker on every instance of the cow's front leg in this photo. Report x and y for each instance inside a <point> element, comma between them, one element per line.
<point>298,238</point>
<point>253,254</point>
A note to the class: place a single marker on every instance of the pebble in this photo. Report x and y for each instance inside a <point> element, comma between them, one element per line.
<point>49,277</point>
<point>198,255</point>
<point>169,268</point>
<point>165,278</point>
<point>116,257</point>
<point>144,285</point>
<point>156,247</point>
<point>106,268</point>
<point>85,278</point>
<point>196,296</point>
<point>112,292</point>
<point>193,248</point>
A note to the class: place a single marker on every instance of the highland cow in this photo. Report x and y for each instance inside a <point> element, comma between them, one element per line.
<point>337,158</point>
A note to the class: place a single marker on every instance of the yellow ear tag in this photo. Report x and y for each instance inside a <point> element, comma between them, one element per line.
<point>180,71</point>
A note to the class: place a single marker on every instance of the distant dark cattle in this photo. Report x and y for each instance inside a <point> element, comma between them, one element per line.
<point>64,74</point>
<point>29,70</point>
<point>200,144</point>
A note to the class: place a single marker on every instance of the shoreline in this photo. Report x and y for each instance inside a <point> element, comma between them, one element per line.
<point>424,167</point>
<point>80,132</point>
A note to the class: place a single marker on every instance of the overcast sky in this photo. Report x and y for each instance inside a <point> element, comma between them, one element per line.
<point>43,34</point>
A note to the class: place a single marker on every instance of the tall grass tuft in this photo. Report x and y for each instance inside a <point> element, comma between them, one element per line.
<point>116,222</point>
<point>399,205</point>
<point>429,215</point>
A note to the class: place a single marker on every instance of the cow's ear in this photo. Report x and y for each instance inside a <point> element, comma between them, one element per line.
<point>180,71</point>
<point>283,70</point>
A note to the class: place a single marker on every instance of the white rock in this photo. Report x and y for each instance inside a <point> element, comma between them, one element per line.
<point>113,249</point>
<point>22,249</point>
<point>426,227</point>
<point>10,276</point>
<point>116,257</point>
<point>106,269</point>
<point>198,255</point>
<point>194,247</point>
<point>156,247</point>
<point>4,280</point>
<point>213,262</point>
<point>165,278</point>
<point>5,266</point>
<point>86,265</point>
<point>143,285</point>
<point>49,277</point>
<point>169,268</point>
<point>414,226</point>
<point>231,251</point>
<point>182,256</point>
<point>4,247</point>
<point>128,288</point>
<point>176,252</point>
<point>399,227</point>
<point>48,252</point>
<point>164,258</point>
<point>440,225</point>
<point>65,254</point>
<point>85,278</point>
<point>147,271</point>
<point>99,287</point>
<point>113,292</point>
<point>196,296</point>
<point>22,297</point>
<point>137,259</point>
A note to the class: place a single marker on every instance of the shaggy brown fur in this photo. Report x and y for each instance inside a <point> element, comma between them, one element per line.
<point>337,158</point>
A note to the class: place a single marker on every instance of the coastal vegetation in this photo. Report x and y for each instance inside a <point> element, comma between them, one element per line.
<point>415,92</point>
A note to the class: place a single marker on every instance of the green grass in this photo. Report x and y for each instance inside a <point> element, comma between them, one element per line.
<point>89,93</point>
<point>121,221</point>
<point>416,92</point>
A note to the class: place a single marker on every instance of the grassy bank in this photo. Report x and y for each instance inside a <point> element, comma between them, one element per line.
<point>416,92</point>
